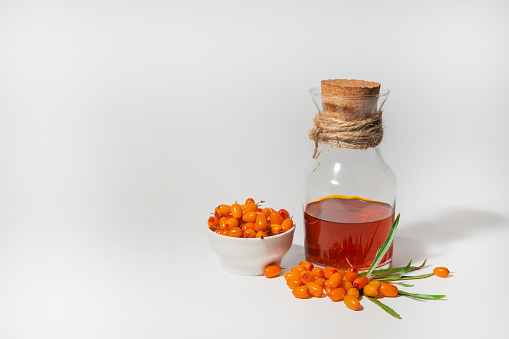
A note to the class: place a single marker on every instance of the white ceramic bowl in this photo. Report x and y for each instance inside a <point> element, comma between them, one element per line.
<point>250,256</point>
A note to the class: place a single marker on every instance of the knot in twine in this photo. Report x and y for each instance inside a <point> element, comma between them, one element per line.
<point>362,132</point>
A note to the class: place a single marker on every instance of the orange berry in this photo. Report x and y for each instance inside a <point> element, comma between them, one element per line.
<point>337,294</point>
<point>370,290</point>
<point>235,232</point>
<point>351,302</point>
<point>306,276</point>
<point>320,281</point>
<point>275,218</point>
<point>335,280</point>
<point>261,222</point>
<point>292,283</point>
<point>317,272</point>
<point>262,234</point>
<point>276,229</point>
<point>297,269</point>
<point>232,222</point>
<point>249,233</point>
<point>351,274</point>
<point>388,290</point>
<point>353,291</point>
<point>249,216</point>
<point>346,284</point>
<point>292,275</point>
<point>236,211</point>
<point>247,226</point>
<point>360,282</point>
<point>441,272</point>
<point>223,223</point>
<point>224,209</point>
<point>266,211</point>
<point>301,292</point>
<point>307,265</point>
<point>327,272</point>
<point>284,213</point>
<point>287,224</point>
<point>249,201</point>
<point>314,289</point>
<point>272,271</point>
<point>374,283</point>
<point>213,221</point>
<point>250,208</point>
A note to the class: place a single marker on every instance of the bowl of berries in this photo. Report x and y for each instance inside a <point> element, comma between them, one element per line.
<point>247,237</point>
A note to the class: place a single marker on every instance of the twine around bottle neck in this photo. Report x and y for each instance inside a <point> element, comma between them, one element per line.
<point>361,131</point>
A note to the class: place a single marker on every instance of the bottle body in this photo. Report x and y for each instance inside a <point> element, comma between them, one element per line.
<point>349,205</point>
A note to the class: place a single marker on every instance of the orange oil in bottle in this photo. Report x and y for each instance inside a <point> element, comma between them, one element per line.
<point>338,228</point>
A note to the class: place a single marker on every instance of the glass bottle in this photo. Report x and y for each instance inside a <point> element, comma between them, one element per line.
<point>350,200</point>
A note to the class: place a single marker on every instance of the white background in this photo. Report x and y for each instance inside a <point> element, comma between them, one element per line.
<point>124,123</point>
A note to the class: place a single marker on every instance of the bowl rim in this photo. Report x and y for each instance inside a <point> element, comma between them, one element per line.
<point>291,230</point>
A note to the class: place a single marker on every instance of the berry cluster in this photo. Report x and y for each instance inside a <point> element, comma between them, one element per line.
<point>249,220</point>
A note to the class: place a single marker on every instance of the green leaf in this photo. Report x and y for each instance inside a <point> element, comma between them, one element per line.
<point>384,248</point>
<point>422,296</point>
<point>390,271</point>
<point>384,307</point>
<point>403,284</point>
<point>406,277</point>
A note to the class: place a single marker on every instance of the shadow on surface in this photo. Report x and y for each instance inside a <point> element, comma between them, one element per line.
<point>433,236</point>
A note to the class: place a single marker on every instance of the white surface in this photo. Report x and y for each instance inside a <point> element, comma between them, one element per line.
<point>124,123</point>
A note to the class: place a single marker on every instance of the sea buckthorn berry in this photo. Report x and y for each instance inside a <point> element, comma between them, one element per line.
<point>351,302</point>
<point>223,232</point>
<point>306,276</point>
<point>297,269</point>
<point>248,225</point>
<point>236,211</point>
<point>276,229</point>
<point>249,217</point>
<point>292,275</point>
<point>224,209</point>
<point>351,274</point>
<point>249,201</point>
<point>374,283</point>
<point>335,280</point>
<point>360,282</point>
<point>320,281</point>
<point>284,213</point>
<point>262,234</point>
<point>327,272</point>
<point>235,232</point>
<point>232,222</point>
<point>346,285</point>
<point>314,289</point>
<point>216,211</point>
<point>213,221</point>
<point>250,208</point>
<point>292,283</point>
<point>337,294</point>
<point>272,271</point>
<point>307,265</point>
<point>441,272</point>
<point>353,291</point>
<point>249,233</point>
<point>275,218</point>
<point>301,292</point>
<point>266,211</point>
<point>388,290</point>
<point>287,225</point>
<point>317,272</point>
<point>261,222</point>
<point>370,290</point>
<point>223,223</point>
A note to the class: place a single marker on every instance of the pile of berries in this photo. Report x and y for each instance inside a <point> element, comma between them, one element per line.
<point>249,220</point>
<point>307,281</point>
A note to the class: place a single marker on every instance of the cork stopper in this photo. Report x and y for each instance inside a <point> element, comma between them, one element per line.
<point>349,96</point>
